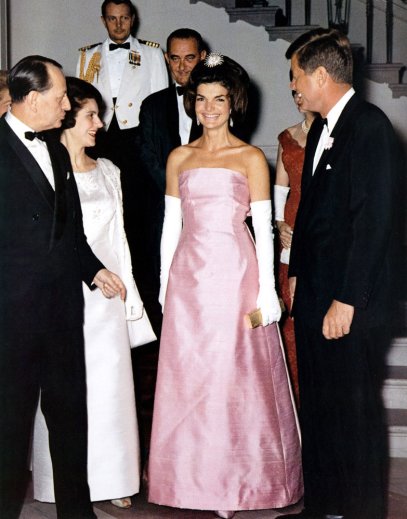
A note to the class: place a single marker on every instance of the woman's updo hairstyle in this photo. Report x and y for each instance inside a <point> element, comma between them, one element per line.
<point>78,92</point>
<point>216,68</point>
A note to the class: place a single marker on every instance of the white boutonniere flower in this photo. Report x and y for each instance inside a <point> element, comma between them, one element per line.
<point>329,143</point>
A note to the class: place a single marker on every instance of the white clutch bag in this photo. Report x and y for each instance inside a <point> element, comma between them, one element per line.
<point>140,331</point>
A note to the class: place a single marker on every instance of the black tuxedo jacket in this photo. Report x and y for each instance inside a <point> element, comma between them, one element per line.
<point>44,255</point>
<point>343,245</point>
<point>159,133</point>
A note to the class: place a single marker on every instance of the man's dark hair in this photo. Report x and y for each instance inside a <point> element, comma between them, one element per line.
<point>30,73</point>
<point>186,34</point>
<point>328,48</point>
<point>79,92</point>
<point>229,74</point>
<point>118,2</point>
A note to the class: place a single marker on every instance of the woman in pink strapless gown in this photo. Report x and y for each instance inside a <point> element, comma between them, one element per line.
<point>224,433</point>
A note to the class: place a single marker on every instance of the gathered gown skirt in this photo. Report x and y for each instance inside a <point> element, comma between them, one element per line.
<point>225,433</point>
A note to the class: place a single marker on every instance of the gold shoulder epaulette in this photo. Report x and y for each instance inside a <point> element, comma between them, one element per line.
<point>149,43</point>
<point>88,47</point>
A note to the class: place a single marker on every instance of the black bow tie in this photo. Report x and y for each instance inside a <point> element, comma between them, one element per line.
<point>114,46</point>
<point>180,90</point>
<point>34,135</point>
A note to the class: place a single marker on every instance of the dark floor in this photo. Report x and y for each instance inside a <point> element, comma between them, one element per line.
<point>143,510</point>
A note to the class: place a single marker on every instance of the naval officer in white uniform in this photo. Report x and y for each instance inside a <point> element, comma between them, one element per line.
<point>125,70</point>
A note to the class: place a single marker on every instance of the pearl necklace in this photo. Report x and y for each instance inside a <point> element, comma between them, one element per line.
<point>304,127</point>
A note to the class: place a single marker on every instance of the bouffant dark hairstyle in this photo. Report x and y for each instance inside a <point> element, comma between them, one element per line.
<point>80,91</point>
<point>225,71</point>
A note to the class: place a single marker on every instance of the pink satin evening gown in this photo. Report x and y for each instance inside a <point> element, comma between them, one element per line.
<point>225,433</point>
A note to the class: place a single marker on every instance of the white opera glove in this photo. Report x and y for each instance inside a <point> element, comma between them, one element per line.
<point>267,299</point>
<point>280,199</point>
<point>172,227</point>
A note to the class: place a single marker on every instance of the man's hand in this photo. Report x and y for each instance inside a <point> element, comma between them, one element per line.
<point>110,284</point>
<point>337,320</point>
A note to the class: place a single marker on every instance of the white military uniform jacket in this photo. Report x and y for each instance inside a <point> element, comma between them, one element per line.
<point>144,73</point>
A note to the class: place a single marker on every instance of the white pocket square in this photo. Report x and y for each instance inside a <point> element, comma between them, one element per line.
<point>328,166</point>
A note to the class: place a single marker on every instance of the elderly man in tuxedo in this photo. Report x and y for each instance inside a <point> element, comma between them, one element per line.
<point>342,260</point>
<point>44,257</point>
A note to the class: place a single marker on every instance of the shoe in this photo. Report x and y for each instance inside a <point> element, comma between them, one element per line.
<point>124,502</point>
<point>225,514</point>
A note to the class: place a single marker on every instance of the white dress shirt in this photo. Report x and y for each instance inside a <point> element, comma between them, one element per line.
<point>116,60</point>
<point>36,147</point>
<point>184,121</point>
<point>332,117</point>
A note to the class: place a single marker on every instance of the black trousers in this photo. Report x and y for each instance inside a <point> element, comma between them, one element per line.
<point>54,363</point>
<point>342,421</point>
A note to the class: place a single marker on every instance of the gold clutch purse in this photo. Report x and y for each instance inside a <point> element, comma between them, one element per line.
<point>253,319</point>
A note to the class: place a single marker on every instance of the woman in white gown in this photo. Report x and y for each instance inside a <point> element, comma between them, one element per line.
<point>111,326</point>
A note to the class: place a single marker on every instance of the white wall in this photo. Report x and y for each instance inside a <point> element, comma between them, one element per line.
<point>57,28</point>
<point>3,34</point>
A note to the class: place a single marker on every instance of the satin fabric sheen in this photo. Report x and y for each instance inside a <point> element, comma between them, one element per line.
<point>224,433</point>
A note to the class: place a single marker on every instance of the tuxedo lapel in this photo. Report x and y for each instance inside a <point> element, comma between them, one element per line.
<point>60,195</point>
<point>31,166</point>
<point>173,117</point>
<point>311,147</point>
<point>310,182</point>
<point>337,135</point>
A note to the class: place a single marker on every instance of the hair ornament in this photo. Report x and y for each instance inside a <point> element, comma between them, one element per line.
<point>213,59</point>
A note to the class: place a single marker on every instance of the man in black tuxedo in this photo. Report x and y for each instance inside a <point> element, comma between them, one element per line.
<point>44,257</point>
<point>164,125</point>
<point>342,259</point>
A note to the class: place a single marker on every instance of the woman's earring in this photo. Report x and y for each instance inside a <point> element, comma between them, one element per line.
<point>197,121</point>
<point>231,122</point>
